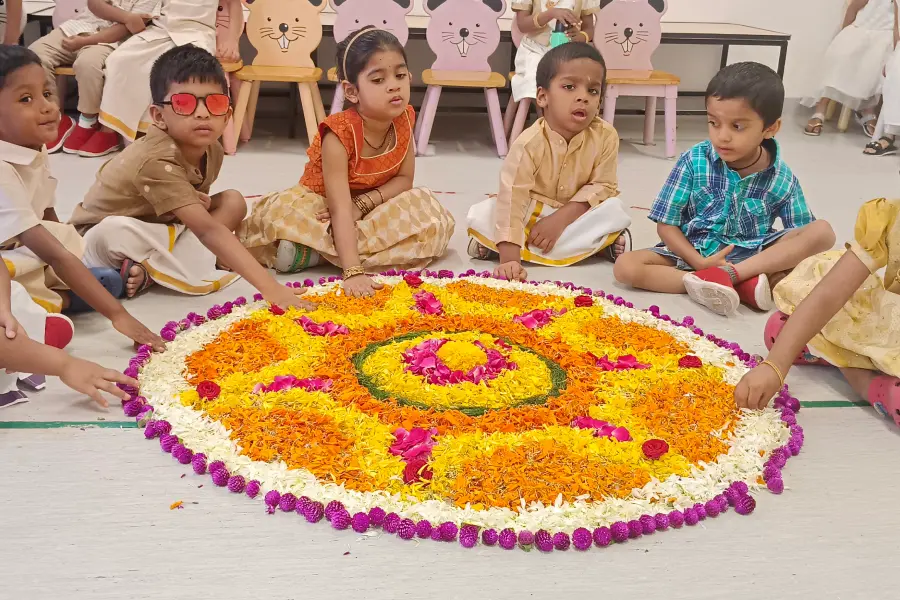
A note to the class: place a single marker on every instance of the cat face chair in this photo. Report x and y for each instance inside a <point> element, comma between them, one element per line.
<point>389,15</point>
<point>463,34</point>
<point>628,32</point>
<point>284,32</point>
<point>66,10</point>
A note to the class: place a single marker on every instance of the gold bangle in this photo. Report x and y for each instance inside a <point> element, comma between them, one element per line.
<point>587,38</point>
<point>380,195</point>
<point>772,365</point>
<point>534,18</point>
<point>354,271</point>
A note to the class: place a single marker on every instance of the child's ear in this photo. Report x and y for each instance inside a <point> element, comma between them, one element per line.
<point>541,98</point>
<point>772,130</point>
<point>351,92</point>
<point>157,116</point>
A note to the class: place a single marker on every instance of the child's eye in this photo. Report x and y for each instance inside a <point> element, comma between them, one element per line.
<point>402,75</point>
<point>738,127</point>
<point>25,99</point>
<point>594,91</point>
<point>378,80</point>
<point>48,94</point>
<point>568,86</point>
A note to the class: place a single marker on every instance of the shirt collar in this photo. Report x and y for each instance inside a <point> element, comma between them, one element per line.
<point>556,139</point>
<point>771,145</point>
<point>19,155</point>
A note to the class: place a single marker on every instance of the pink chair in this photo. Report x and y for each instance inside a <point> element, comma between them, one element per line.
<point>463,34</point>
<point>516,113</point>
<point>226,24</point>
<point>66,10</point>
<point>353,15</point>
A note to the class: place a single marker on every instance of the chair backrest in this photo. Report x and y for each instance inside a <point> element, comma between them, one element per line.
<point>628,32</point>
<point>227,23</point>
<point>389,15</point>
<point>66,10</point>
<point>463,34</point>
<point>284,32</point>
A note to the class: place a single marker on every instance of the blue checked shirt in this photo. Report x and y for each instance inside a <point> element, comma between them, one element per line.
<point>714,207</point>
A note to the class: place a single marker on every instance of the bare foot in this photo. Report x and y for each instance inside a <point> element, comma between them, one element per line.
<point>138,280</point>
<point>617,249</point>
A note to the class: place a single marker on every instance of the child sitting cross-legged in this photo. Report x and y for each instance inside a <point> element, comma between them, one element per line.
<point>84,43</point>
<point>355,205</point>
<point>716,211</point>
<point>842,313</point>
<point>39,252</point>
<point>558,202</point>
<point>149,212</point>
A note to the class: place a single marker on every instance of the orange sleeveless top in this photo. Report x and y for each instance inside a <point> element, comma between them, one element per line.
<point>365,173</point>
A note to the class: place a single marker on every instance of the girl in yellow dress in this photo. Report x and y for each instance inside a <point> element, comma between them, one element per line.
<point>844,312</point>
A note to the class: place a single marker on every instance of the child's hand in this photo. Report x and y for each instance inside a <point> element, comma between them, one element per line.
<point>90,379</point>
<point>227,51</point>
<point>566,16</point>
<point>757,387</point>
<point>360,286</point>
<point>324,216</point>
<point>74,43</point>
<point>511,271</point>
<point>285,297</point>
<point>137,332</point>
<point>719,259</point>
<point>545,233</point>
<point>10,325</point>
<point>136,23</point>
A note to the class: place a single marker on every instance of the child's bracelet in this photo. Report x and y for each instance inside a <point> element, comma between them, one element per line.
<point>587,38</point>
<point>354,271</point>
<point>380,195</point>
<point>534,18</point>
<point>771,365</point>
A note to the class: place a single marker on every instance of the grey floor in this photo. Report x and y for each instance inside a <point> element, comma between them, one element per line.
<point>84,511</point>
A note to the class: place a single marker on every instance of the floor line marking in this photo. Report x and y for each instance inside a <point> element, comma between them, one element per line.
<point>64,424</point>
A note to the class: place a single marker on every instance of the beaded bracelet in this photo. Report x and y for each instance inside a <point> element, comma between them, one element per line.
<point>354,271</point>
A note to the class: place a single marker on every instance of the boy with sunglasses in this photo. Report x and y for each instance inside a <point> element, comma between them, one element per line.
<point>150,213</point>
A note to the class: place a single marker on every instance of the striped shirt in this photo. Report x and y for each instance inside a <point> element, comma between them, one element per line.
<point>89,23</point>
<point>715,207</point>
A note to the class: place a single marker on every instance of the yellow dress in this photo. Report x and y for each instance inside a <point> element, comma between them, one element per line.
<point>865,334</point>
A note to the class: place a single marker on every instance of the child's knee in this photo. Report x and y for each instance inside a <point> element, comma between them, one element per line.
<point>822,235</point>
<point>627,267</point>
<point>233,201</point>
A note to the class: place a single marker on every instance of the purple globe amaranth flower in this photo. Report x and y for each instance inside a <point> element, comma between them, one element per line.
<point>448,531</point>
<point>489,537</point>
<point>220,477</point>
<point>507,539</point>
<point>331,508</point>
<point>424,528</point>
<point>302,505</point>
<point>314,512</point>
<point>288,502</point>
<point>635,529</point>
<point>662,522</point>
<point>731,495</point>
<point>793,404</point>
<point>712,508</point>
<point>722,502</point>
<point>228,307</point>
<point>771,472</point>
<point>236,484</point>
<point>132,408</point>
<point>561,541</point>
<point>775,485</point>
<point>391,522</point>
<point>789,417</point>
<point>240,301</point>
<point>217,465</point>
<point>745,505</point>
<point>543,541</point>
<point>168,335</point>
<point>469,531</point>
<point>376,516</point>
<point>648,523</point>
<point>407,529</point>
<point>252,489</point>
<point>360,522</point>
<point>198,462</point>
<point>794,447</point>
<point>700,510</point>
<point>167,442</point>
<point>163,427</point>
<point>308,283</point>
<point>468,541</point>
<point>777,460</point>
<point>436,534</point>
<point>214,313</point>
<point>676,519</point>
<point>526,538</point>
<point>273,497</point>
<point>619,531</point>
<point>150,431</point>
<point>581,539</point>
<point>182,454</point>
<point>132,370</point>
<point>340,519</point>
<point>603,537</point>
<point>740,487</point>
<point>257,297</point>
<point>690,517</point>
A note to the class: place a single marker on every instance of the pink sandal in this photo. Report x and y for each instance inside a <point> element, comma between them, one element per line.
<point>776,323</point>
<point>884,394</point>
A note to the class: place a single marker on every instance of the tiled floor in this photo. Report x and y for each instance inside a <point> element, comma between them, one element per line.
<point>85,513</point>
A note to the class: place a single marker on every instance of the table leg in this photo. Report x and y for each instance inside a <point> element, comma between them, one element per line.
<point>782,59</point>
<point>724,62</point>
<point>649,120</point>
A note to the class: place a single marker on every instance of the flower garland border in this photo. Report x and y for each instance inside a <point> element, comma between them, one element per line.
<point>736,495</point>
<point>558,377</point>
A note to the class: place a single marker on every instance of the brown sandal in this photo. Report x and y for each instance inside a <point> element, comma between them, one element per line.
<point>814,129</point>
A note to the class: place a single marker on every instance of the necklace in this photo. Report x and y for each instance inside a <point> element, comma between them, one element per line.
<point>753,164</point>
<point>383,141</point>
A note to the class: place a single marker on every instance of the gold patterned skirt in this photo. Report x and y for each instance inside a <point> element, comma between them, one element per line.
<point>408,231</point>
<point>864,334</point>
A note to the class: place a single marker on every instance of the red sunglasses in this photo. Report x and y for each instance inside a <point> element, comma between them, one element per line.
<point>185,104</point>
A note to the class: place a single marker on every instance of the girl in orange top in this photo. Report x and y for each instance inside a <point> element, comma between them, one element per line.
<point>355,205</point>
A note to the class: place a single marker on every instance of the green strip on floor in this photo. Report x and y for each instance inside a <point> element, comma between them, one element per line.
<point>62,424</point>
<point>835,404</point>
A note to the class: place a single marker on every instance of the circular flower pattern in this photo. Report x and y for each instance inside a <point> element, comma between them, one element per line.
<point>539,415</point>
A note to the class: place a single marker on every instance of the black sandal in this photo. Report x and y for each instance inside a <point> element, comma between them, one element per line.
<point>879,149</point>
<point>610,251</point>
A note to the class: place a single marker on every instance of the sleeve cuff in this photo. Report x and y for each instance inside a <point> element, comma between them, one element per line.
<point>867,259</point>
<point>509,235</point>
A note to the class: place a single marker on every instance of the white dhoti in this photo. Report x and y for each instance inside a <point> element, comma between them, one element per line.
<point>31,317</point>
<point>172,255</point>
<point>852,68</point>
<point>594,231</point>
<point>889,119</point>
<point>524,82</point>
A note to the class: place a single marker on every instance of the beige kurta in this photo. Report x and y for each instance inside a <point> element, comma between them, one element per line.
<point>865,333</point>
<point>27,192</point>
<point>126,98</point>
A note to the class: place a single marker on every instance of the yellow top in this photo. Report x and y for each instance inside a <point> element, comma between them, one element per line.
<point>877,241</point>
